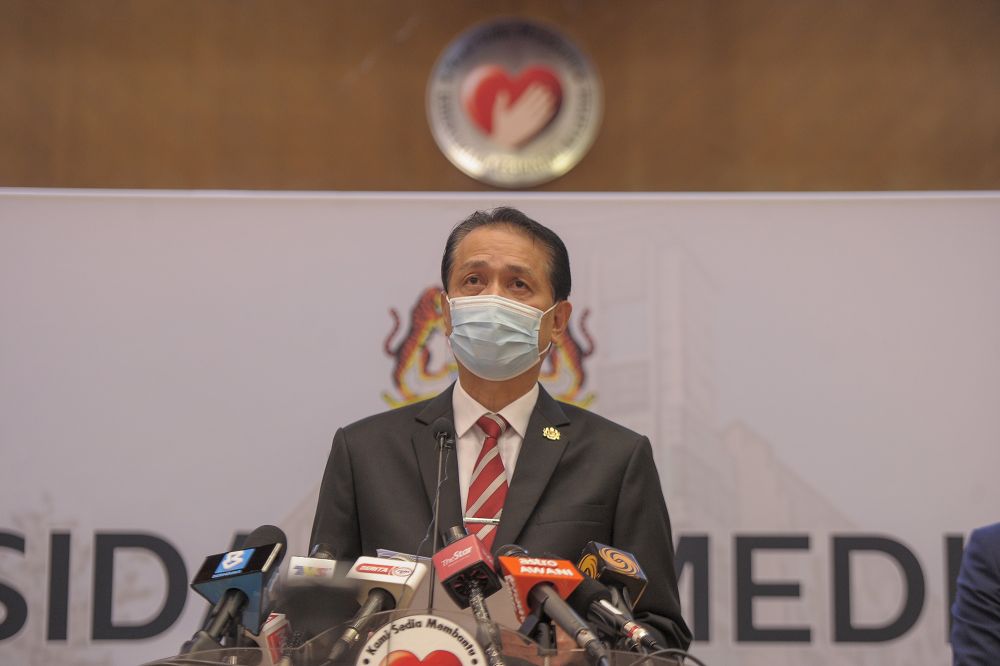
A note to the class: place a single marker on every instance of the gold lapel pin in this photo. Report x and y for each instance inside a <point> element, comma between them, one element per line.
<point>550,433</point>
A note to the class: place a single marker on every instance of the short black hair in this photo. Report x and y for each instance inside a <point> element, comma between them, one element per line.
<point>559,275</point>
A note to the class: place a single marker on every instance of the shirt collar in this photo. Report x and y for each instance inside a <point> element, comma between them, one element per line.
<point>467,411</point>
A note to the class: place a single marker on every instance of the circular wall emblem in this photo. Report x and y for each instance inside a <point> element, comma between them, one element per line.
<point>514,103</point>
<point>421,640</point>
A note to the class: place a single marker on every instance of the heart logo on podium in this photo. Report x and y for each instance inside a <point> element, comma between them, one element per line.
<point>511,109</point>
<point>407,658</point>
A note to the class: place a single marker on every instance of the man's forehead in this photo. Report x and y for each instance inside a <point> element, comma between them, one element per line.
<point>501,238</point>
<point>510,267</point>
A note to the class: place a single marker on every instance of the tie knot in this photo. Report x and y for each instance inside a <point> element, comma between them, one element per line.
<point>492,424</point>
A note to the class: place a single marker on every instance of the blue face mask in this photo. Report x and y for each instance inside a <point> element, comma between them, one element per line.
<point>494,337</point>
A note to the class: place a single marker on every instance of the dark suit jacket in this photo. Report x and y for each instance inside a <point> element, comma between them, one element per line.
<point>975,629</point>
<point>596,482</point>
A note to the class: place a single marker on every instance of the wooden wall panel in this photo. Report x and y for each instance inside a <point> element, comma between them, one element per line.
<point>740,95</point>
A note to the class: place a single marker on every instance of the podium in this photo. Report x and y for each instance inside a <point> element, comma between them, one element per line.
<point>415,638</point>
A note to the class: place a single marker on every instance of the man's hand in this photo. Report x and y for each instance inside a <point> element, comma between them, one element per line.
<point>515,124</point>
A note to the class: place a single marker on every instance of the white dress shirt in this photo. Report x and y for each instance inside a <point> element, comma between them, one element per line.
<point>470,437</point>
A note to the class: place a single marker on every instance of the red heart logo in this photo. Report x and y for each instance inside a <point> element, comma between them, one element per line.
<point>511,110</point>
<point>407,658</point>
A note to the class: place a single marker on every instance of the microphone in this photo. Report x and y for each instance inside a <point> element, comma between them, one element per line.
<point>315,571</point>
<point>464,568</point>
<point>468,578</point>
<point>238,585</point>
<point>594,599</point>
<point>383,585</point>
<point>316,593</point>
<point>541,584</point>
<point>618,569</point>
<point>618,582</point>
<point>315,596</point>
<point>444,434</point>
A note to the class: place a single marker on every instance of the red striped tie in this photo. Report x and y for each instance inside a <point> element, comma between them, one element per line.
<point>488,487</point>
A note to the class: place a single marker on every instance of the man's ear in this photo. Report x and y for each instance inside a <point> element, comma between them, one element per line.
<point>560,318</point>
<point>445,312</point>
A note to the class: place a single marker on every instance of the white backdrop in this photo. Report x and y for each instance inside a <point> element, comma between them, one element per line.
<point>811,367</point>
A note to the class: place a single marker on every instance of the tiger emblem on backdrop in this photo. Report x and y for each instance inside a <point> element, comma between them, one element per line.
<point>423,365</point>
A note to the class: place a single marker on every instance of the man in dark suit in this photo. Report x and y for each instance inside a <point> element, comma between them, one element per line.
<point>975,629</point>
<point>527,469</point>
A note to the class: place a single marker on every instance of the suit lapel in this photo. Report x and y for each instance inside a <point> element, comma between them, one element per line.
<point>536,463</point>
<point>425,448</point>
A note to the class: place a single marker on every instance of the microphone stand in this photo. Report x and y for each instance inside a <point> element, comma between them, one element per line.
<point>487,631</point>
<point>444,441</point>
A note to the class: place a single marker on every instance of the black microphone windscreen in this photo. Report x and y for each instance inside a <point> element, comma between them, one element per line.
<point>508,550</point>
<point>511,550</point>
<point>265,535</point>
<point>443,429</point>
<point>588,592</point>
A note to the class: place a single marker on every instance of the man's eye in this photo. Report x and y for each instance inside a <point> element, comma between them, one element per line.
<point>472,279</point>
<point>520,284</point>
